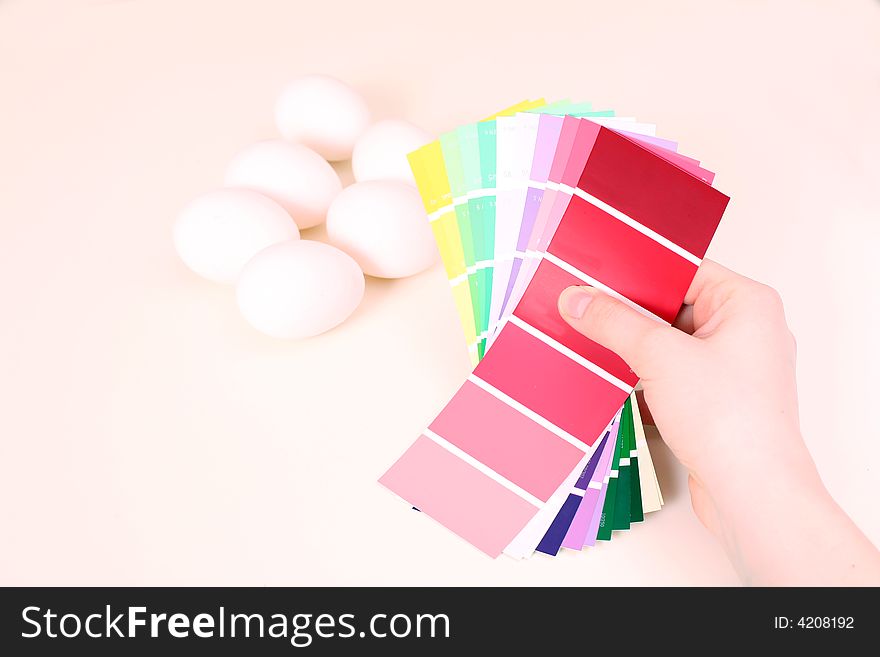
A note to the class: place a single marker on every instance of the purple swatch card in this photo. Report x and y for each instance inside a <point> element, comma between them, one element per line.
<point>530,211</point>
<point>557,531</point>
<point>598,500</point>
<point>666,144</point>
<point>576,536</point>
<point>546,142</point>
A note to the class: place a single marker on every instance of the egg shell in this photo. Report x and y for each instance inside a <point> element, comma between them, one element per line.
<point>293,175</point>
<point>323,113</point>
<point>217,233</point>
<point>382,224</point>
<point>299,289</point>
<point>380,153</point>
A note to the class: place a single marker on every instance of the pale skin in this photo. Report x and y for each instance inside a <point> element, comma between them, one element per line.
<point>720,386</point>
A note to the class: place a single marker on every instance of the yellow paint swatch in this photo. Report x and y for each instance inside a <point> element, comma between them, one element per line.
<point>429,170</point>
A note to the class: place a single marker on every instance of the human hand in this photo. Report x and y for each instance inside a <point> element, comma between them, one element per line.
<point>720,385</point>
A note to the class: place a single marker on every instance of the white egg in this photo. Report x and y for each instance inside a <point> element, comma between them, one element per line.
<point>382,224</point>
<point>291,174</point>
<point>380,153</point>
<point>218,232</point>
<point>323,113</point>
<point>299,289</point>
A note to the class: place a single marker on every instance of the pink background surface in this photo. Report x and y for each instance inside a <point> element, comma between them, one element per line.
<point>149,436</point>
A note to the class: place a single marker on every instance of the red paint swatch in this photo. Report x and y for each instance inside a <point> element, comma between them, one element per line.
<point>538,308</point>
<point>505,440</point>
<point>551,384</point>
<point>658,195</point>
<point>622,258</point>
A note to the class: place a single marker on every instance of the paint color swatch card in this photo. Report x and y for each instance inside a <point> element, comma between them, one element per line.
<point>542,447</point>
<point>520,166</point>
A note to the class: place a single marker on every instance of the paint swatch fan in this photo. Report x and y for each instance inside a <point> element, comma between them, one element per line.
<point>542,447</point>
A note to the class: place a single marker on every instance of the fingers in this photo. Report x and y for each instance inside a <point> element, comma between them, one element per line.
<point>642,342</point>
<point>709,274</point>
<point>716,288</point>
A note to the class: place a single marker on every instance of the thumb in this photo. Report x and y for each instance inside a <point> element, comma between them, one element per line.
<point>642,342</point>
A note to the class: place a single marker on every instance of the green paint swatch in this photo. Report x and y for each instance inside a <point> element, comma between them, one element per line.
<point>636,512</point>
<point>606,520</point>
<point>623,502</point>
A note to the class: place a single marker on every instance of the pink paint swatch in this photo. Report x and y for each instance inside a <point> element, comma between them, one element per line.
<point>459,496</point>
<point>506,440</point>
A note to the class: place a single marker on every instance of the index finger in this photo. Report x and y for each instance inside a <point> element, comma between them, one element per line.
<point>708,275</point>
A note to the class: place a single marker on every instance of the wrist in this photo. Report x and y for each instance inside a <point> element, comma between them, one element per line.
<point>766,478</point>
<point>769,521</point>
